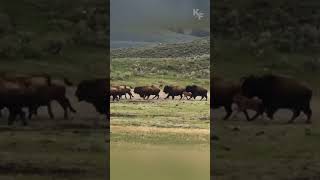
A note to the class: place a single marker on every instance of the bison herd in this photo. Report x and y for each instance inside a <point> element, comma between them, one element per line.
<point>31,91</point>
<point>263,94</point>
<point>190,91</point>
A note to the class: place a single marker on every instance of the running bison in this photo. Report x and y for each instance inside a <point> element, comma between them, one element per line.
<point>223,92</point>
<point>245,104</point>
<point>122,91</point>
<point>173,91</point>
<point>54,92</point>
<point>278,91</point>
<point>146,91</point>
<point>197,91</point>
<point>96,92</point>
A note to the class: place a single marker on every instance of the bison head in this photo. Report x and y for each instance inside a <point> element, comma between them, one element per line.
<point>250,86</point>
<point>167,89</point>
<point>81,92</point>
<point>191,89</point>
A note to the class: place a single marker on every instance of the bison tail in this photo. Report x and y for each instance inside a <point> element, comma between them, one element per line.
<point>67,82</point>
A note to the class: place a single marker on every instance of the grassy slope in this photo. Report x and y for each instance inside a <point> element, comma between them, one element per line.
<point>233,60</point>
<point>77,61</point>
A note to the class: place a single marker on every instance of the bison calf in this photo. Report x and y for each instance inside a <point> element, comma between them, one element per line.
<point>187,94</point>
<point>243,103</point>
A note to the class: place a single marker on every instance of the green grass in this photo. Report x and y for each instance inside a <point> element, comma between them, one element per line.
<point>163,139</point>
<point>161,71</point>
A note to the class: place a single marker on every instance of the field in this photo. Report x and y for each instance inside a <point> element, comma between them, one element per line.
<point>162,139</point>
<point>265,149</point>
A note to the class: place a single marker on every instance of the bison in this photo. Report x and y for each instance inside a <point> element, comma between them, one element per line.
<point>197,91</point>
<point>245,103</point>
<point>114,92</point>
<point>123,91</point>
<point>146,91</point>
<point>279,91</point>
<point>223,92</point>
<point>15,96</point>
<point>55,92</point>
<point>173,91</point>
<point>187,95</point>
<point>96,92</point>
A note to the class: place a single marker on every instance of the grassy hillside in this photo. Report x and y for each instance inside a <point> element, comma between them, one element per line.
<point>58,37</point>
<point>189,49</point>
<point>286,25</point>
<point>180,64</point>
<point>233,59</point>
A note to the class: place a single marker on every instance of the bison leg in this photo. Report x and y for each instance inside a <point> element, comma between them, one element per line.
<point>201,98</point>
<point>50,111</point>
<point>167,96</point>
<point>64,104</point>
<point>247,115</point>
<point>181,96</point>
<point>307,110</point>
<point>254,117</point>
<point>69,105</point>
<point>270,113</point>
<point>23,118</point>
<point>296,113</point>
<point>158,96</point>
<point>172,97</point>
<point>228,110</point>
<point>12,116</point>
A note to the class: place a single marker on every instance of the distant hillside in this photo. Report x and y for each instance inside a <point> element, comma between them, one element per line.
<point>285,25</point>
<point>63,38</point>
<point>189,49</point>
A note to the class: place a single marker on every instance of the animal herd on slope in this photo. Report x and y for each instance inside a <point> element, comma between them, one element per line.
<point>31,91</point>
<point>264,94</point>
<point>190,91</point>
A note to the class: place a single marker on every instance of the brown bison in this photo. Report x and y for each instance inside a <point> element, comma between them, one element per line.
<point>15,96</point>
<point>245,103</point>
<point>187,95</point>
<point>278,91</point>
<point>223,92</point>
<point>123,91</point>
<point>55,92</point>
<point>114,92</point>
<point>197,91</point>
<point>96,92</point>
<point>146,91</point>
<point>173,91</point>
